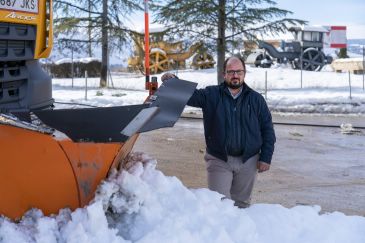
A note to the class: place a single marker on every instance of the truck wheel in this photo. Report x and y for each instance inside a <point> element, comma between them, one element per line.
<point>263,61</point>
<point>158,62</point>
<point>203,61</point>
<point>312,60</point>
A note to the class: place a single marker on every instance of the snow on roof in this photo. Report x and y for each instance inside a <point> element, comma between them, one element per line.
<point>348,60</point>
<point>158,30</point>
<point>154,29</point>
<point>89,59</point>
<point>82,60</point>
<point>158,50</point>
<point>63,60</point>
<point>316,28</point>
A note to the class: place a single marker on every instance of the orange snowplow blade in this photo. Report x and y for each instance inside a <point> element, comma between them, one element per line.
<point>38,171</point>
<point>59,160</point>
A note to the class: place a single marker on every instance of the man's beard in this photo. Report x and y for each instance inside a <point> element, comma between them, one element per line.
<point>234,85</point>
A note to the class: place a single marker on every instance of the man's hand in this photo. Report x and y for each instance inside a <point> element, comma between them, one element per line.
<point>262,166</point>
<point>167,76</point>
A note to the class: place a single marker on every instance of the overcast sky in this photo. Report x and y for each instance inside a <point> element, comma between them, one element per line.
<point>350,13</point>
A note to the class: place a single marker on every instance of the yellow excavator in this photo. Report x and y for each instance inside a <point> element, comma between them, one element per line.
<point>55,158</point>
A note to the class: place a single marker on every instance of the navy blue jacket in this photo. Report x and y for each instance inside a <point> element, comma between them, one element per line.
<point>256,122</point>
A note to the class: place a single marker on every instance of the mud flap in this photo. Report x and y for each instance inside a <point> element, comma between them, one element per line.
<point>117,124</point>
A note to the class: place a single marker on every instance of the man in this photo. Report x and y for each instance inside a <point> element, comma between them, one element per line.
<point>238,131</point>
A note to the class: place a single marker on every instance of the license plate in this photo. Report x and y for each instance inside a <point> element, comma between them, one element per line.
<point>30,6</point>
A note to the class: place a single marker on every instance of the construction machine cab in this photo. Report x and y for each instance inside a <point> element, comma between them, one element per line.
<point>308,36</point>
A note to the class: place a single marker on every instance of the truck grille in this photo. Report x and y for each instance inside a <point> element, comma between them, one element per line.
<point>13,76</point>
<point>17,41</point>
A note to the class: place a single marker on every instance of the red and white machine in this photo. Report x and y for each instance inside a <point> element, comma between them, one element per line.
<point>335,37</point>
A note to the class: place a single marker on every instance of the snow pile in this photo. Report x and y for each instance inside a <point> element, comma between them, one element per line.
<point>142,205</point>
<point>347,128</point>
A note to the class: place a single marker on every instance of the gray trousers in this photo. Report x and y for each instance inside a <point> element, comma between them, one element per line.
<point>234,179</point>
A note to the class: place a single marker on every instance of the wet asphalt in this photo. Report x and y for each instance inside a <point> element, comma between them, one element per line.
<point>312,165</point>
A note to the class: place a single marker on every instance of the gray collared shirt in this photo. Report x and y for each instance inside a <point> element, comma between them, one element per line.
<point>237,95</point>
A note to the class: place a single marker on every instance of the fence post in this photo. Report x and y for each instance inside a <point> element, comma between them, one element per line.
<point>85,85</point>
<point>265,85</point>
<point>110,80</point>
<point>301,69</point>
<point>363,66</point>
<point>350,84</point>
<point>72,65</point>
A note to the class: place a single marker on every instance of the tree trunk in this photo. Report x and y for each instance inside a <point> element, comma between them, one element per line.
<point>221,40</point>
<point>104,45</point>
<point>89,30</point>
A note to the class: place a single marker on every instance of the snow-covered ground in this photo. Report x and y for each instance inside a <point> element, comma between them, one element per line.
<point>318,92</point>
<point>143,205</point>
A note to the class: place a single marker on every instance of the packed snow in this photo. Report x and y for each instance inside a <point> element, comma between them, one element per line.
<point>141,204</point>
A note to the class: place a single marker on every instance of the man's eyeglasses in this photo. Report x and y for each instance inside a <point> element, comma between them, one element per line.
<point>233,72</point>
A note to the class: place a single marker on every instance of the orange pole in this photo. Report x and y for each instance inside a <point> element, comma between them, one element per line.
<point>147,45</point>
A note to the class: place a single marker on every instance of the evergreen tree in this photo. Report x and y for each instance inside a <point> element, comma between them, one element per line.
<point>343,53</point>
<point>100,21</point>
<point>221,21</point>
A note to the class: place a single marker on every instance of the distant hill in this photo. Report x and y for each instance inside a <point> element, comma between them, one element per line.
<point>356,41</point>
<point>355,46</point>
